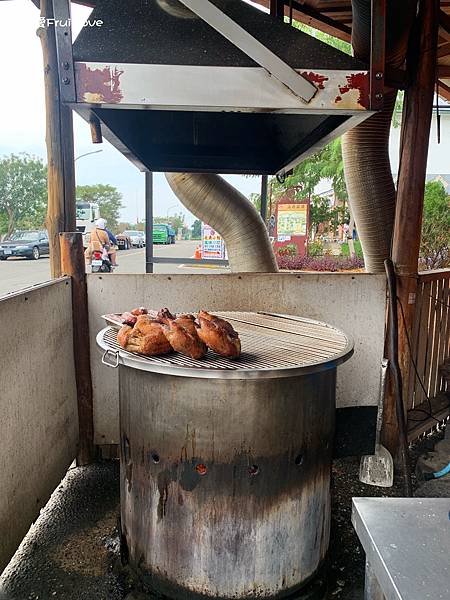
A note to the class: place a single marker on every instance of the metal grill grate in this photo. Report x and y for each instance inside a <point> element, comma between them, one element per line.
<point>273,345</point>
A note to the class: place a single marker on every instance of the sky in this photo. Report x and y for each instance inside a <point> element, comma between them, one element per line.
<point>22,119</point>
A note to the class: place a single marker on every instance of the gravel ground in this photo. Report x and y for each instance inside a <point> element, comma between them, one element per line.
<point>72,551</point>
<point>347,558</point>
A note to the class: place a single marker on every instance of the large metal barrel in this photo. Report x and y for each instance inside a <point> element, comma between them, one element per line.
<point>225,465</point>
<point>225,483</point>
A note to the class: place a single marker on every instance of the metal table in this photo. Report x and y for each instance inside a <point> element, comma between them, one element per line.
<point>407,546</point>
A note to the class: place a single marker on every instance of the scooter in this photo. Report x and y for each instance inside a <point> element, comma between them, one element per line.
<point>100,264</point>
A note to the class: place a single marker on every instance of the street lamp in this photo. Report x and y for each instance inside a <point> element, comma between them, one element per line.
<point>88,153</point>
<point>170,208</point>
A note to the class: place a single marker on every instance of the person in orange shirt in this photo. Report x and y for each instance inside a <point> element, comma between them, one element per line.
<point>100,240</point>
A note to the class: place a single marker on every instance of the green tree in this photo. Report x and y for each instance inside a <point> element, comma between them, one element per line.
<point>255,199</point>
<point>108,198</point>
<point>196,229</point>
<point>320,211</point>
<point>121,227</point>
<point>303,179</point>
<point>435,240</point>
<point>331,166</point>
<point>176,221</point>
<point>325,164</point>
<point>23,192</point>
<point>324,37</point>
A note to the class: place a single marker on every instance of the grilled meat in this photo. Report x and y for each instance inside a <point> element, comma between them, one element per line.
<point>139,311</point>
<point>181,332</point>
<point>218,335</point>
<point>146,337</point>
<point>128,319</point>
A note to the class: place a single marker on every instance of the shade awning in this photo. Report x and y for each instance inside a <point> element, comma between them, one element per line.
<point>174,94</point>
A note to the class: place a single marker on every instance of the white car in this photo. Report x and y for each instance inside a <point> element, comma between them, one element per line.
<point>137,238</point>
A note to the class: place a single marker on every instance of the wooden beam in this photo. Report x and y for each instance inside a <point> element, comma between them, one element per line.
<point>444,91</point>
<point>60,153</point>
<point>73,264</point>
<point>443,71</point>
<point>444,24</point>
<point>417,113</point>
<point>307,15</point>
<point>313,18</point>
<point>444,50</point>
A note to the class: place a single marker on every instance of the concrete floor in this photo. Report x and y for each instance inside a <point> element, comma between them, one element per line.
<point>72,549</point>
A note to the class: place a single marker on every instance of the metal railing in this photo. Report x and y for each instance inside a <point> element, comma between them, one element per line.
<point>430,348</point>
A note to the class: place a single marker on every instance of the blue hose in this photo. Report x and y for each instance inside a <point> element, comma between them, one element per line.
<point>438,474</point>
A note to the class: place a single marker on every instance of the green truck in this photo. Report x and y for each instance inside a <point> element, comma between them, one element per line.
<point>163,234</point>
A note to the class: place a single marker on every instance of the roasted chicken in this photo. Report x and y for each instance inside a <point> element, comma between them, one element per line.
<point>151,333</point>
<point>130,317</point>
<point>218,335</point>
<point>139,311</point>
<point>146,337</point>
<point>181,332</point>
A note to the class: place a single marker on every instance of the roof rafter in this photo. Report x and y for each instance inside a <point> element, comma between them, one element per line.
<point>444,23</point>
<point>307,15</point>
<point>443,50</point>
<point>443,71</point>
<point>444,90</point>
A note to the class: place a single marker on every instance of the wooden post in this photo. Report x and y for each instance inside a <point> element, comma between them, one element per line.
<point>416,122</point>
<point>73,265</point>
<point>60,153</point>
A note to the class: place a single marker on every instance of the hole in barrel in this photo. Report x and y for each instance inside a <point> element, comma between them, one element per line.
<point>155,457</point>
<point>253,470</point>
<point>201,469</point>
<point>299,459</point>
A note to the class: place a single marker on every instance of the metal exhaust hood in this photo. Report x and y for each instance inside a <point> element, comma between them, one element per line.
<point>222,87</point>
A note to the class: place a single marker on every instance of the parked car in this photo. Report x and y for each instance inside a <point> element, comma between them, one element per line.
<point>137,240</point>
<point>28,244</point>
<point>123,241</point>
<point>163,234</point>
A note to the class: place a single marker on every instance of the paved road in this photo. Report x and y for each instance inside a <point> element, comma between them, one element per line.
<point>16,274</point>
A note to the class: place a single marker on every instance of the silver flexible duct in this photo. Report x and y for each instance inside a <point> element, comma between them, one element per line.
<point>216,202</point>
<point>370,186</point>
<point>365,149</point>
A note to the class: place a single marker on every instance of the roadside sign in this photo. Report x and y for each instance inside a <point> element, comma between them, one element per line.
<point>213,245</point>
<point>291,225</point>
<point>292,220</point>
